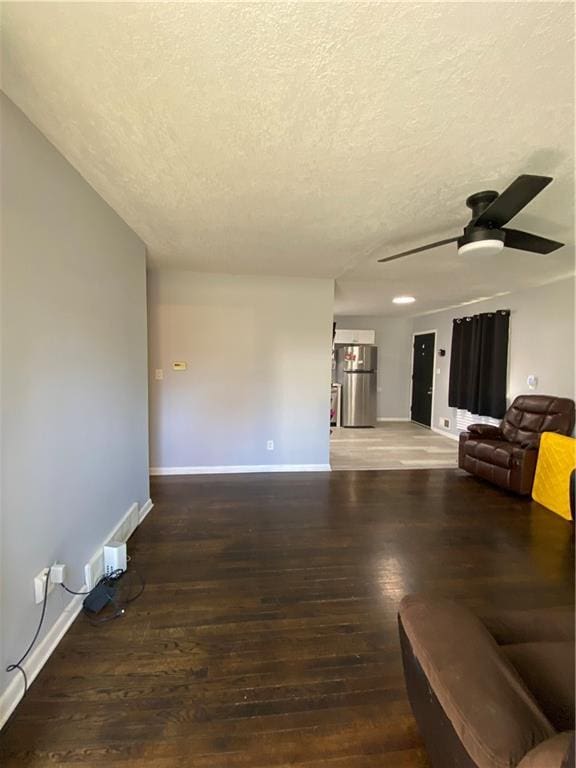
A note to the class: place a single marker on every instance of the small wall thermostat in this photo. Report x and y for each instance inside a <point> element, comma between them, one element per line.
<point>179,365</point>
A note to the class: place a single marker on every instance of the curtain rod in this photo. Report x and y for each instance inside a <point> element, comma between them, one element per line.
<point>469,317</point>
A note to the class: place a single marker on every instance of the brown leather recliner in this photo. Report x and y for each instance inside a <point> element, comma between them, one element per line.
<point>507,455</point>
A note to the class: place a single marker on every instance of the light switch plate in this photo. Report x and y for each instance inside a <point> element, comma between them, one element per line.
<point>158,374</point>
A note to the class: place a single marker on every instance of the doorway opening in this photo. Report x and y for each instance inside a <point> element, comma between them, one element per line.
<point>422,389</point>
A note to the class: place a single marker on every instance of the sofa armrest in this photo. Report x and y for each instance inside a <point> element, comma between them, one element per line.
<point>464,666</point>
<point>489,431</point>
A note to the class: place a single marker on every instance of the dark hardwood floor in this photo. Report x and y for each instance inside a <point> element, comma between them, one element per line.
<point>267,632</point>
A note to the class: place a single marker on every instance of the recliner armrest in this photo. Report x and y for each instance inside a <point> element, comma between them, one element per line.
<point>490,708</point>
<point>531,442</point>
<point>489,431</point>
<point>552,753</point>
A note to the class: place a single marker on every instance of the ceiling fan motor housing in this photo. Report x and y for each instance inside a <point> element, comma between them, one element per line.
<point>479,201</point>
<point>484,233</point>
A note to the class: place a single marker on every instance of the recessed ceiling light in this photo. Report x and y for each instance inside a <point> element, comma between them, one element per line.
<point>403,300</point>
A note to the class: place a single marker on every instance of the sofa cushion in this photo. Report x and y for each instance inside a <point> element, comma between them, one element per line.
<point>530,625</point>
<point>482,694</point>
<point>548,671</point>
<point>530,415</point>
<point>552,753</point>
<point>496,452</point>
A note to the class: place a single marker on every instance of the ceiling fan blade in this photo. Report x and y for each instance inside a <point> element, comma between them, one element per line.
<point>512,200</point>
<point>524,241</point>
<point>418,250</point>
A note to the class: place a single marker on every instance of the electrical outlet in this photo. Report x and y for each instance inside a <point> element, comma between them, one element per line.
<point>270,445</point>
<point>40,585</point>
<point>94,569</point>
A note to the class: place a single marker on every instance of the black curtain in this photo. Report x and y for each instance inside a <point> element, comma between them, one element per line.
<point>479,362</point>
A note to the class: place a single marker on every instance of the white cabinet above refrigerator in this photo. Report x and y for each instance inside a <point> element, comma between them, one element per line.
<point>344,336</point>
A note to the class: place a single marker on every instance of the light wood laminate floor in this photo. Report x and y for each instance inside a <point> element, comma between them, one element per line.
<point>391,445</point>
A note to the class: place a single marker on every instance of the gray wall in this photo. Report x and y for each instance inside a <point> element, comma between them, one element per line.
<point>73,376</point>
<point>258,356</point>
<point>394,341</point>
<point>541,342</point>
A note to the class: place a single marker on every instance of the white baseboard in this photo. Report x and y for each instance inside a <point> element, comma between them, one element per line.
<point>145,509</point>
<point>392,418</point>
<point>40,655</point>
<point>239,469</point>
<point>444,433</point>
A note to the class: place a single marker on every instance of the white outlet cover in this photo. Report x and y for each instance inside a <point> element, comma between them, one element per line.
<point>40,584</point>
<point>94,569</point>
<point>270,445</point>
<point>158,374</point>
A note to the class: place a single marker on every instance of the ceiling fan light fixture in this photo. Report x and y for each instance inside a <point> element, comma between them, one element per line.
<point>403,300</point>
<point>486,232</point>
<point>481,248</point>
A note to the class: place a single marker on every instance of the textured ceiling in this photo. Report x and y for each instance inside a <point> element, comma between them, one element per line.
<point>308,138</point>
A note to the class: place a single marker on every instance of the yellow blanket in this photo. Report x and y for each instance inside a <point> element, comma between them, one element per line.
<point>556,462</point>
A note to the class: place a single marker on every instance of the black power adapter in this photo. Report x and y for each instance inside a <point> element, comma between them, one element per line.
<point>102,594</point>
<point>107,591</point>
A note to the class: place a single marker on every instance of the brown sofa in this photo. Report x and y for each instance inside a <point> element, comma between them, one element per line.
<point>490,693</point>
<point>507,455</point>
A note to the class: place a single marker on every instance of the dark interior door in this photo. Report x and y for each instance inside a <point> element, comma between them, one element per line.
<point>422,378</point>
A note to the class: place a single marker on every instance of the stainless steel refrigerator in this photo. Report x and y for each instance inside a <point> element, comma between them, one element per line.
<point>356,366</point>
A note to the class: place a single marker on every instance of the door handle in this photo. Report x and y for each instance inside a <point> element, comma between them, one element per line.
<point>430,391</point>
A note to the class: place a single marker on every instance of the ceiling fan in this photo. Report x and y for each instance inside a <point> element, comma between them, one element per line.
<point>485,233</point>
